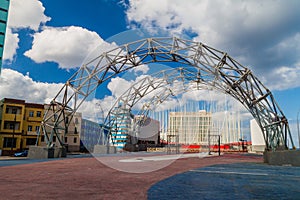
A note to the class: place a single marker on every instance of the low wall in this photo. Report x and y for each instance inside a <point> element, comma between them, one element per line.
<point>258,148</point>
<point>38,152</point>
<point>73,148</point>
<point>284,157</point>
<point>103,149</point>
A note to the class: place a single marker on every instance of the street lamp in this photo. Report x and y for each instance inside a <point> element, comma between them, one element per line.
<point>298,128</point>
<point>13,135</point>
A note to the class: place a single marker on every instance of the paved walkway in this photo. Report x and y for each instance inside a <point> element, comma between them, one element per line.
<point>231,181</point>
<point>87,178</point>
<point>11,161</point>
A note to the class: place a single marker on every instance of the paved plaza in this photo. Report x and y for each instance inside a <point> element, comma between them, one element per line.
<point>231,181</point>
<point>241,176</point>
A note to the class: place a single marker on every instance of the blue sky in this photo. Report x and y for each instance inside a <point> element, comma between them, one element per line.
<point>47,40</point>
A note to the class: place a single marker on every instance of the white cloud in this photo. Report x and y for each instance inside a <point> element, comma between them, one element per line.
<point>284,78</point>
<point>67,46</point>
<point>15,85</point>
<point>22,14</point>
<point>118,86</point>
<point>18,86</point>
<point>97,109</point>
<point>259,34</point>
<point>214,21</point>
<point>141,68</point>
<point>26,14</point>
<point>10,45</point>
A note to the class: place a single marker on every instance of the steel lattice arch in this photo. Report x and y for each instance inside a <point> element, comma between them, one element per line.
<point>160,87</point>
<point>214,68</point>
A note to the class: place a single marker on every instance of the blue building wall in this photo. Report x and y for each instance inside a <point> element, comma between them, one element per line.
<point>4,5</point>
<point>92,133</point>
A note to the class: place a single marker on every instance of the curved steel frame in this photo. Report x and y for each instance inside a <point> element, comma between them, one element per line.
<point>214,66</point>
<point>163,84</point>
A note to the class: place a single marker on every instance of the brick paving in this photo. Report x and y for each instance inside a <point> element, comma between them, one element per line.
<point>87,178</point>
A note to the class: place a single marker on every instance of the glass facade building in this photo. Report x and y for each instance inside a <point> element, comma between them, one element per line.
<point>92,134</point>
<point>4,5</point>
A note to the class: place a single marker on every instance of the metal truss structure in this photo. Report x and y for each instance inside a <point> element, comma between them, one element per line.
<point>214,67</point>
<point>160,87</point>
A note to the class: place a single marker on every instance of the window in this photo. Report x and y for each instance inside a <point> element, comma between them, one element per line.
<point>31,113</point>
<point>37,128</point>
<point>66,139</point>
<point>11,126</point>
<point>29,128</point>
<point>54,138</point>
<point>30,141</point>
<point>75,140</point>
<point>14,111</point>
<point>43,138</point>
<point>8,142</point>
<point>38,113</point>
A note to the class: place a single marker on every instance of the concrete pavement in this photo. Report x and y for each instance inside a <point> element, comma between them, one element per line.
<point>231,181</point>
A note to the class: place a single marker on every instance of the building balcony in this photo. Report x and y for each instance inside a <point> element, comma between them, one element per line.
<point>10,131</point>
<point>30,133</point>
<point>11,117</point>
<point>34,119</point>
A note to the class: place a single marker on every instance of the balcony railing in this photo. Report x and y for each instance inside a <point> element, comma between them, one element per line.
<point>11,117</point>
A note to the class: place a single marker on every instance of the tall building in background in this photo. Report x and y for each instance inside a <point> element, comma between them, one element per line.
<point>122,126</point>
<point>4,5</point>
<point>229,128</point>
<point>192,127</point>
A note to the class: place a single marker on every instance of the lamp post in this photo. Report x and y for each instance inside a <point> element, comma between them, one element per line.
<point>298,128</point>
<point>13,135</point>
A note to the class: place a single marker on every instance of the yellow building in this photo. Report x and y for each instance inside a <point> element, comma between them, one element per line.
<point>19,122</point>
<point>33,117</point>
<point>11,124</point>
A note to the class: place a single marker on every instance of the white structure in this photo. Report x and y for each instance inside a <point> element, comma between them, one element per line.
<point>258,142</point>
<point>228,125</point>
<point>148,131</point>
<point>192,127</point>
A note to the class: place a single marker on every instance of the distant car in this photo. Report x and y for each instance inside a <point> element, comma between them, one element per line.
<point>21,154</point>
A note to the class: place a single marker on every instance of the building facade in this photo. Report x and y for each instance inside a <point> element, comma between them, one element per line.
<point>190,127</point>
<point>19,123</point>
<point>121,127</point>
<point>92,134</point>
<point>4,5</point>
<point>32,119</point>
<point>20,127</point>
<point>148,130</point>
<point>71,139</point>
